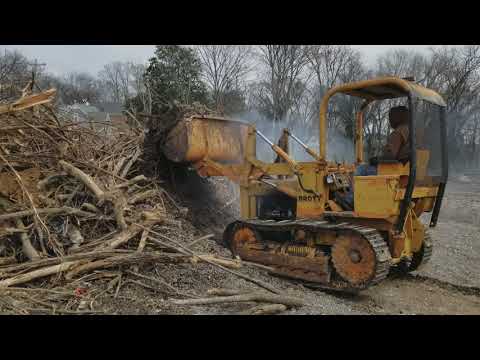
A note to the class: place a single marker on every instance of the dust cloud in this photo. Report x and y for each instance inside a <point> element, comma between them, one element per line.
<point>339,147</point>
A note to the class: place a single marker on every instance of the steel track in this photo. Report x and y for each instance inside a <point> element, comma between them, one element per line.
<point>382,253</point>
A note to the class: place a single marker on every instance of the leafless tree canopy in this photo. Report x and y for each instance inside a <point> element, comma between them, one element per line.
<point>281,71</point>
<point>284,84</point>
<point>14,73</point>
<point>225,68</point>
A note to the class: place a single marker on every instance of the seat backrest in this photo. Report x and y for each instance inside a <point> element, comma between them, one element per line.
<point>397,168</point>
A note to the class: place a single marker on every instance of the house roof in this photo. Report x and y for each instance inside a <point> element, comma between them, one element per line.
<point>84,108</point>
<point>110,107</point>
<point>98,116</point>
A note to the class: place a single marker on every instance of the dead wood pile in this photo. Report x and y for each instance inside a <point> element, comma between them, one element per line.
<point>75,208</point>
<point>156,129</point>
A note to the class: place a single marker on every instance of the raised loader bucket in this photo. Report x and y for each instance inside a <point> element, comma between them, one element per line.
<point>197,138</point>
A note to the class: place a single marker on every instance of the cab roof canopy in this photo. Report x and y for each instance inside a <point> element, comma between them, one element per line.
<point>388,88</point>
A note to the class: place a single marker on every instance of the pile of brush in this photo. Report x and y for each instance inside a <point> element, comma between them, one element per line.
<point>76,211</point>
<point>157,127</point>
<point>72,201</point>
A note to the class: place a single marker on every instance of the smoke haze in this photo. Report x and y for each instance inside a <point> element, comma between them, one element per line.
<point>339,147</point>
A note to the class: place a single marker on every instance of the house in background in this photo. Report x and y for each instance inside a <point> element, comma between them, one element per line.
<point>103,117</point>
<point>78,112</point>
<point>112,113</point>
<point>110,107</point>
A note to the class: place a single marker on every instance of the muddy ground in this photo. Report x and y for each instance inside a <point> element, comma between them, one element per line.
<point>448,284</point>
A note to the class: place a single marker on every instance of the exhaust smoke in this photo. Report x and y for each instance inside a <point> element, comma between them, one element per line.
<point>339,147</point>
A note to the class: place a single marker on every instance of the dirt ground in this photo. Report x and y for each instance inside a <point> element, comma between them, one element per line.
<point>448,284</point>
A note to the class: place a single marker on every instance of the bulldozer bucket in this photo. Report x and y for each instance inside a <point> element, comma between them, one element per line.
<point>198,138</point>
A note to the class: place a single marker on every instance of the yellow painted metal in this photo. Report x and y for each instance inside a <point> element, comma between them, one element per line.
<point>198,138</point>
<point>312,194</point>
<point>371,90</point>
<point>414,234</point>
<point>393,169</point>
<point>359,138</point>
<point>375,196</point>
<point>323,126</point>
<point>418,192</point>
<point>217,147</point>
<point>285,156</point>
<point>359,132</point>
<point>418,233</point>
<point>398,168</point>
<point>423,157</point>
<point>408,229</point>
<point>424,205</point>
<point>244,203</point>
<point>388,88</point>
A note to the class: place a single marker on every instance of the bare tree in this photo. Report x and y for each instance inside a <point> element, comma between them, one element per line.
<point>111,78</point>
<point>332,65</point>
<point>283,66</point>
<point>140,86</point>
<point>14,73</point>
<point>224,69</point>
<point>79,88</point>
<point>402,63</point>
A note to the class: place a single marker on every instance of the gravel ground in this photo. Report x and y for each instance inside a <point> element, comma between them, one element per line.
<point>449,284</point>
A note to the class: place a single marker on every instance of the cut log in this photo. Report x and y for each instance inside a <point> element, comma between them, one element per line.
<point>7,260</point>
<point>224,292</point>
<point>184,250</point>
<point>132,181</point>
<point>29,101</point>
<point>36,274</point>
<point>269,309</point>
<point>130,163</point>
<point>133,258</point>
<point>27,247</point>
<point>84,178</point>
<point>90,207</point>
<point>143,241</point>
<point>142,196</point>
<point>206,237</point>
<point>123,237</point>
<point>119,205</point>
<point>256,297</point>
<point>231,264</point>
<point>45,262</point>
<point>80,266</point>
<point>65,210</point>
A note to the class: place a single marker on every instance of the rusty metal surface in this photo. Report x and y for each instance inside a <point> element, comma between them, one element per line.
<point>354,258</point>
<point>243,237</point>
<point>298,261</point>
<point>196,139</point>
<point>396,244</point>
<point>389,88</point>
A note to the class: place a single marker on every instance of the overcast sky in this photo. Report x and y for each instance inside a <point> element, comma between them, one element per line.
<point>91,58</point>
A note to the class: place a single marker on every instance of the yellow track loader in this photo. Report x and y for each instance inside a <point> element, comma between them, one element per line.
<point>291,219</point>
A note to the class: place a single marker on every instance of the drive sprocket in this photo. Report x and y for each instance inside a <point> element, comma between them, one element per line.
<point>242,235</point>
<point>354,259</point>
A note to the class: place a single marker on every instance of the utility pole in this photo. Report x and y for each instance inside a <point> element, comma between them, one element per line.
<point>34,66</point>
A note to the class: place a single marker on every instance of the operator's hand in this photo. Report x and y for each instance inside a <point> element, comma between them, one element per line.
<point>373,161</point>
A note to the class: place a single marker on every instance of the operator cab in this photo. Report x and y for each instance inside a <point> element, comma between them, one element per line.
<point>422,178</point>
